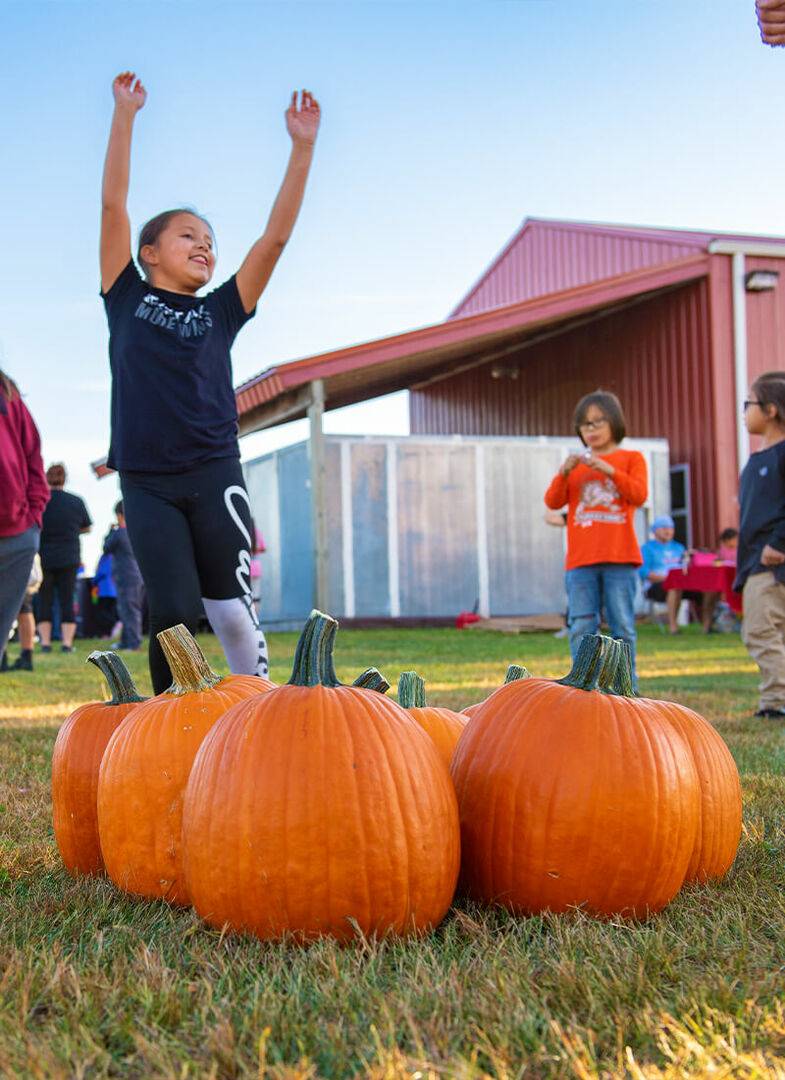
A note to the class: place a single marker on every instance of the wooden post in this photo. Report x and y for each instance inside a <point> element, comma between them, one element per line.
<point>318,493</point>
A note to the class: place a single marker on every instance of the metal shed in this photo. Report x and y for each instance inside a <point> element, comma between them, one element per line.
<point>420,528</point>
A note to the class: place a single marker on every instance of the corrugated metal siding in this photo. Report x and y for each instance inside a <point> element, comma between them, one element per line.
<point>655,356</point>
<point>546,258</point>
<point>766,322</point>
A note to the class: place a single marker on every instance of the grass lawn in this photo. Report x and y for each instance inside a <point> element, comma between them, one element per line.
<point>94,984</point>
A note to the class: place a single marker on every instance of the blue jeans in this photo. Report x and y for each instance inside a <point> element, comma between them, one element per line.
<point>611,586</point>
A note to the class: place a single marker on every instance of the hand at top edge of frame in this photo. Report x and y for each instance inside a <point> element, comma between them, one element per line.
<point>128,92</point>
<point>302,120</point>
<point>771,20</point>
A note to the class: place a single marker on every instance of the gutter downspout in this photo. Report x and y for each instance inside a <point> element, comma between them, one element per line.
<point>738,251</point>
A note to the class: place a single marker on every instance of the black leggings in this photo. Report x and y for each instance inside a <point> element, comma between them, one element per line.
<point>62,580</point>
<point>190,533</point>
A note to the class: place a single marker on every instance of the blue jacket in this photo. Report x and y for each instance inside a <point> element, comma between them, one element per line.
<point>659,557</point>
<point>102,578</point>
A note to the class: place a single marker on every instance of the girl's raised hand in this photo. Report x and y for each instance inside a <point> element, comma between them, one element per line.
<point>302,121</point>
<point>128,91</point>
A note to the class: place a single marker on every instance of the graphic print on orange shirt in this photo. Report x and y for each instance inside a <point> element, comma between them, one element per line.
<point>599,501</point>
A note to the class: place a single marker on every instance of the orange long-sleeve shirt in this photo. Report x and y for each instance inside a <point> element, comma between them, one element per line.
<point>600,509</point>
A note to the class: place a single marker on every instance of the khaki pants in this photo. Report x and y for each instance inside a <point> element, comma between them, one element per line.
<point>763,632</point>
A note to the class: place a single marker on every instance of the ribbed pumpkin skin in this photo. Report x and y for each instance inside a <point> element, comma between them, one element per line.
<point>444,726</point>
<point>719,830</point>
<point>78,750</point>
<point>143,775</point>
<point>314,805</point>
<point>574,797</point>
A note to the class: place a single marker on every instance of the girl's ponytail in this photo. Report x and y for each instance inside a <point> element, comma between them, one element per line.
<point>9,391</point>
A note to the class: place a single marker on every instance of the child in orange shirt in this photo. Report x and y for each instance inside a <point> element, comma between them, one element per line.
<point>602,488</point>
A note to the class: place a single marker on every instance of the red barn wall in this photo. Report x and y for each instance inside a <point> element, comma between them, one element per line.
<point>656,355</point>
<point>766,321</point>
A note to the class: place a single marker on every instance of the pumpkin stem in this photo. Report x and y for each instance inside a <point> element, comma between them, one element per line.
<point>191,673</point>
<point>371,679</point>
<point>589,662</point>
<point>118,678</point>
<point>313,657</point>
<point>515,672</point>
<point>411,691</point>
<point>619,678</point>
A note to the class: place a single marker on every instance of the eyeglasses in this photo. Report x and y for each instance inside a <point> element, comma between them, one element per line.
<point>748,403</point>
<point>592,425</point>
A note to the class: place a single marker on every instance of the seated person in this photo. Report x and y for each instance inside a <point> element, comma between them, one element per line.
<point>661,555</point>
<point>728,545</point>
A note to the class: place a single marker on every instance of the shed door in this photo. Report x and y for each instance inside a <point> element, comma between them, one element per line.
<point>681,505</point>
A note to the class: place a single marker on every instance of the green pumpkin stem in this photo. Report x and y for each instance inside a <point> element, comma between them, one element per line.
<point>118,678</point>
<point>411,691</point>
<point>516,672</point>
<point>191,674</point>
<point>371,679</point>
<point>588,664</point>
<point>621,681</point>
<point>313,657</point>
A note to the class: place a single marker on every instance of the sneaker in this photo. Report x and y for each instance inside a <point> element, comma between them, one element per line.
<point>23,662</point>
<point>46,648</point>
<point>4,662</point>
<point>66,648</point>
<point>771,714</point>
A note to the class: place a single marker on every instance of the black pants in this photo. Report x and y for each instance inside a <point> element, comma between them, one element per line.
<point>62,580</point>
<point>190,533</point>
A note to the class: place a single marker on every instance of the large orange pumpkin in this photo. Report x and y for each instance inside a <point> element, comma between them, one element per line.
<point>571,794</point>
<point>719,831</point>
<point>76,758</point>
<point>514,672</point>
<point>443,725</point>
<point>320,809</point>
<point>146,766</point>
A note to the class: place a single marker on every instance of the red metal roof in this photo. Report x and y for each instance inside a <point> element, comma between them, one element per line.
<point>549,255</point>
<point>394,363</point>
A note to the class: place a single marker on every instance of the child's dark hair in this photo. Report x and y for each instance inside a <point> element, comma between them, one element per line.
<point>609,405</point>
<point>728,534</point>
<point>769,389</point>
<point>55,475</point>
<point>118,507</point>
<point>153,228</point>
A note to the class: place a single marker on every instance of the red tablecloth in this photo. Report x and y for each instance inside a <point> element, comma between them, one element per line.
<point>717,579</point>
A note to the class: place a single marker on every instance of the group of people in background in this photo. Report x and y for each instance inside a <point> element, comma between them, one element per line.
<point>603,486</point>
<point>40,528</point>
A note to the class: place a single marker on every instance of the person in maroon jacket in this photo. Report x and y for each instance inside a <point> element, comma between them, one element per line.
<point>24,493</point>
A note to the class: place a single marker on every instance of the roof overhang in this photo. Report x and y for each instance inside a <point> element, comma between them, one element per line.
<point>365,371</point>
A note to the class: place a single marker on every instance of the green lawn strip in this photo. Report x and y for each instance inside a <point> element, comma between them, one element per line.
<point>93,983</point>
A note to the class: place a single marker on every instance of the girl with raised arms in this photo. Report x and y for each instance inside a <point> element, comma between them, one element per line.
<point>173,414</point>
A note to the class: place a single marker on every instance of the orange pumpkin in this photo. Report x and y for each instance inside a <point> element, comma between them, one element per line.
<point>719,831</point>
<point>146,766</point>
<point>320,809</point>
<point>514,672</point>
<point>76,758</point>
<point>572,794</point>
<point>443,725</point>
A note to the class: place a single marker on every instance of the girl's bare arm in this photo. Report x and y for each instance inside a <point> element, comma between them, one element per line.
<point>129,97</point>
<point>302,123</point>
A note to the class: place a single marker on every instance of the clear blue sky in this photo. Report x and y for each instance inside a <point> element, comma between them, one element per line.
<point>444,125</point>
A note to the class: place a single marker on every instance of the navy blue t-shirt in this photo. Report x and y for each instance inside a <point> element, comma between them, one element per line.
<point>173,403</point>
<point>761,512</point>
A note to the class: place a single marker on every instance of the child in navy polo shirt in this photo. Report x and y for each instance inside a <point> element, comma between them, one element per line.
<point>761,552</point>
